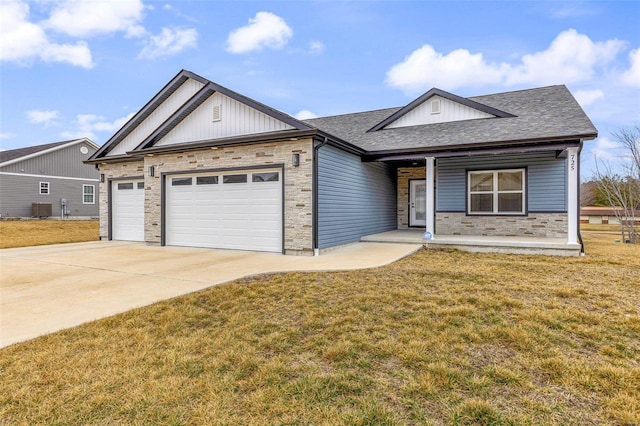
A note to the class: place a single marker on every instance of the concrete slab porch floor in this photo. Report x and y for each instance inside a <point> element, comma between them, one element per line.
<point>48,288</point>
<point>480,243</point>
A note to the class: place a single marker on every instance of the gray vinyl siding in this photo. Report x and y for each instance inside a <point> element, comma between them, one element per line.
<point>63,162</point>
<point>17,193</point>
<point>354,198</point>
<point>546,180</point>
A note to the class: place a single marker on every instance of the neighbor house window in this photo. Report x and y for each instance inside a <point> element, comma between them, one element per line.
<point>88,194</point>
<point>496,192</point>
<point>44,188</point>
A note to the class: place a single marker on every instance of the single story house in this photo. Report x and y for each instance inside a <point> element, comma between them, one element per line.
<point>603,215</point>
<point>201,165</point>
<point>49,180</point>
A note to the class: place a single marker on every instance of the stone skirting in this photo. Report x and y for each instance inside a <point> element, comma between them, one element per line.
<point>298,183</point>
<point>550,225</point>
<point>405,174</point>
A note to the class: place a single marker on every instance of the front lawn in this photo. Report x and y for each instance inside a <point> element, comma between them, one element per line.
<point>24,233</point>
<point>441,337</point>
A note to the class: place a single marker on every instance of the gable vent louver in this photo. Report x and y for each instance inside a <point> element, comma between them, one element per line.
<point>435,106</point>
<point>217,113</point>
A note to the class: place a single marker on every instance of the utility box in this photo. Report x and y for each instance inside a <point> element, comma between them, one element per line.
<point>41,209</point>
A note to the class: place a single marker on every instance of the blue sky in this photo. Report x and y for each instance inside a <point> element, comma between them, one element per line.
<point>76,68</point>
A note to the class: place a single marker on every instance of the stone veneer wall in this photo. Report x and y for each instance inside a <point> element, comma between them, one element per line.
<point>550,225</point>
<point>404,175</point>
<point>298,182</point>
<point>110,171</point>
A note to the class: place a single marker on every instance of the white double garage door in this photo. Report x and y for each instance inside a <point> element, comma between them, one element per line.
<point>230,210</point>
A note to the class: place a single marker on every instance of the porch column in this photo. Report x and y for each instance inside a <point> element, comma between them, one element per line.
<point>430,195</point>
<point>572,194</point>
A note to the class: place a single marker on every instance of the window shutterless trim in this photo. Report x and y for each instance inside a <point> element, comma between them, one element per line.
<point>495,192</point>
<point>43,185</point>
<point>93,194</point>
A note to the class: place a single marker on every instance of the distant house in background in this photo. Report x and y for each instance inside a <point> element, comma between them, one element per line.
<point>49,180</point>
<point>602,215</point>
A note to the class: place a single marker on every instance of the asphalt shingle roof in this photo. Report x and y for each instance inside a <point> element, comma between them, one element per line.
<point>12,154</point>
<point>543,113</point>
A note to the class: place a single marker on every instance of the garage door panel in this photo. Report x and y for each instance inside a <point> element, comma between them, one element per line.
<point>235,213</point>
<point>127,210</point>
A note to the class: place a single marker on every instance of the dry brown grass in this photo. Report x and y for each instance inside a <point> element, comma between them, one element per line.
<point>441,337</point>
<point>23,233</point>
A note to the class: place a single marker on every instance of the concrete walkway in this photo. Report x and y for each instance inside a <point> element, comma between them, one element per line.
<point>48,288</point>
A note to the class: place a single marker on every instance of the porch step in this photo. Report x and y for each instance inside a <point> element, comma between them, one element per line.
<point>480,243</point>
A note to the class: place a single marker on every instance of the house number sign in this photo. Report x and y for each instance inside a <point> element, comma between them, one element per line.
<point>572,163</point>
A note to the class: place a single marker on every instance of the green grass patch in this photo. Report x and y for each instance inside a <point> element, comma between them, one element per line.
<point>440,337</point>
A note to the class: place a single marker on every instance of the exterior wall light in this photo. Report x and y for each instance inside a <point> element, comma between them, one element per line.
<point>296,160</point>
<point>152,171</point>
<point>101,177</point>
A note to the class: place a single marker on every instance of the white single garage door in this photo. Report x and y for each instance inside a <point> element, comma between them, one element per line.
<point>127,210</point>
<point>230,210</point>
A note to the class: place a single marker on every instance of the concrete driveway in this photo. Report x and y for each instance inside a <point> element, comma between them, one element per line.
<point>48,288</point>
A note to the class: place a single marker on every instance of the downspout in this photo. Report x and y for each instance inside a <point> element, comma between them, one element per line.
<point>582,252</point>
<point>316,147</point>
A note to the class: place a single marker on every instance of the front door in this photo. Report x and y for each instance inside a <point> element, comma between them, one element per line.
<point>417,202</point>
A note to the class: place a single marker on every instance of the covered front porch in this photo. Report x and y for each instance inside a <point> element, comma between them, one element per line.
<point>480,243</point>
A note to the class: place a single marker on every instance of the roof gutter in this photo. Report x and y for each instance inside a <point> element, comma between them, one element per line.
<point>470,149</point>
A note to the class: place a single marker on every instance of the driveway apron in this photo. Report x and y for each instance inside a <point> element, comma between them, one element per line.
<point>49,288</point>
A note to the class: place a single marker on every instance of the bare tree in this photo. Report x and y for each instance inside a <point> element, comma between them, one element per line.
<point>622,190</point>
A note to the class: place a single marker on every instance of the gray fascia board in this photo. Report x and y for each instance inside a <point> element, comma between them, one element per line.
<point>438,92</point>
<point>471,153</point>
<point>112,159</point>
<point>213,143</point>
<point>176,118</point>
<point>145,111</point>
<point>388,155</point>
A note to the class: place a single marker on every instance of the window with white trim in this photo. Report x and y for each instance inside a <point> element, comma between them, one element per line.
<point>88,194</point>
<point>44,188</point>
<point>496,192</point>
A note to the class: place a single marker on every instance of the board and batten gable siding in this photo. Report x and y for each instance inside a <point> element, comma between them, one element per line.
<point>62,162</point>
<point>546,180</point>
<point>236,119</point>
<point>17,193</point>
<point>449,111</point>
<point>189,88</point>
<point>354,198</point>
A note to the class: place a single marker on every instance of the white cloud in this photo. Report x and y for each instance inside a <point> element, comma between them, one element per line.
<point>305,114</point>
<point>587,97</point>
<point>22,41</point>
<point>83,18</point>
<point>425,67</point>
<point>605,149</point>
<point>86,126</point>
<point>316,47</point>
<point>46,117</point>
<point>7,135</point>
<point>169,42</point>
<point>632,75</point>
<point>570,58</point>
<point>264,30</point>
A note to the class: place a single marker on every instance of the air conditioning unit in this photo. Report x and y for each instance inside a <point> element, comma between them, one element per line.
<point>41,209</point>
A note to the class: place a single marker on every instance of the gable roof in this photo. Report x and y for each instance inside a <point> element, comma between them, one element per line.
<point>437,92</point>
<point>21,154</point>
<point>544,114</point>
<point>179,115</point>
